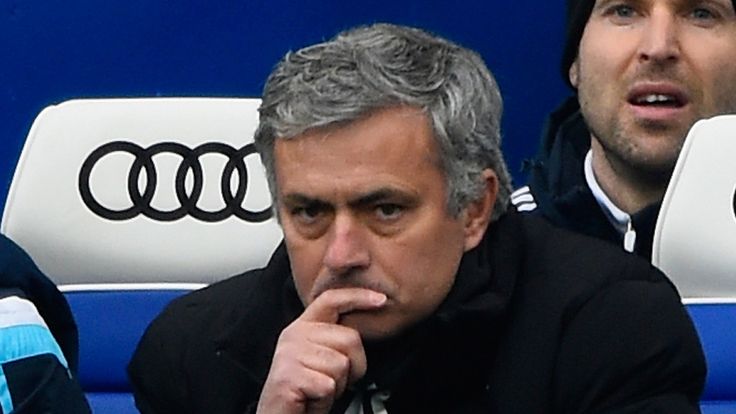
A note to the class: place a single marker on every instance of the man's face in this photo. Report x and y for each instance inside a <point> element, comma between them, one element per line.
<point>364,205</point>
<point>647,70</point>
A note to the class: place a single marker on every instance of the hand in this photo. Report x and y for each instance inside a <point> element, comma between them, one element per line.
<point>316,358</point>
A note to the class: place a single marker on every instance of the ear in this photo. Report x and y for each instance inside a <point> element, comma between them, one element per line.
<point>478,213</point>
<point>574,73</point>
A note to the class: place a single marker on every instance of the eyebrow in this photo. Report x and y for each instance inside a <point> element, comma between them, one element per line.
<point>368,198</point>
<point>382,194</point>
<point>603,4</point>
<point>301,199</point>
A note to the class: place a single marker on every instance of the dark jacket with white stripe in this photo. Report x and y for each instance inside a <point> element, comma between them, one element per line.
<point>540,320</point>
<point>38,340</point>
<point>556,188</point>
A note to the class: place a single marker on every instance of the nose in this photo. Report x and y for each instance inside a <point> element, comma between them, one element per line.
<point>660,41</point>
<point>346,250</point>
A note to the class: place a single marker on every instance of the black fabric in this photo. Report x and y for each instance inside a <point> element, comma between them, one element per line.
<point>578,12</point>
<point>41,385</point>
<point>18,272</point>
<point>540,321</point>
<point>556,179</point>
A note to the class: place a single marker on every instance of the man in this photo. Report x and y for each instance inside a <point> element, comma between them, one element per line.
<point>38,340</point>
<point>402,286</point>
<point>644,72</point>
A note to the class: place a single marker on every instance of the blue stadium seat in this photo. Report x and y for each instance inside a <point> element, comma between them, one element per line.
<point>121,316</point>
<point>715,324</point>
<point>694,245</point>
<point>128,203</point>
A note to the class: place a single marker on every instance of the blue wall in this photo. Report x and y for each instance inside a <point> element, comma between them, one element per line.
<point>55,50</point>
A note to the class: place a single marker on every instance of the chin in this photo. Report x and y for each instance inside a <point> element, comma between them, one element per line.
<point>658,167</point>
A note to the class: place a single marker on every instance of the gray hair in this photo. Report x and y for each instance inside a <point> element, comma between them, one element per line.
<point>367,69</point>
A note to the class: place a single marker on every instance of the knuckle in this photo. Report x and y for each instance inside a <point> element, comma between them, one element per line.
<point>291,332</point>
<point>342,364</point>
<point>326,387</point>
<point>353,340</point>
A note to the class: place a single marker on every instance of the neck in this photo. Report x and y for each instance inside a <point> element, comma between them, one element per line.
<point>628,188</point>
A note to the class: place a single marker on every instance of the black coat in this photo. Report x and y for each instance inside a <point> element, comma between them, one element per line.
<point>556,182</point>
<point>539,321</point>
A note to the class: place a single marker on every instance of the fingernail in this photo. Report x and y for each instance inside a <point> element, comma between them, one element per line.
<point>379,298</point>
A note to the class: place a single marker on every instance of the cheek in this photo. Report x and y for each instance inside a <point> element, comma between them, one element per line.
<point>305,266</point>
<point>436,278</point>
<point>722,85</point>
<point>594,75</point>
<point>603,65</point>
<point>427,270</point>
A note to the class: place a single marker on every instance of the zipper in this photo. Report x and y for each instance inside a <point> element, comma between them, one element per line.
<point>629,237</point>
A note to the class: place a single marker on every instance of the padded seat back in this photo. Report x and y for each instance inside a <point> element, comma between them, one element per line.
<point>142,191</point>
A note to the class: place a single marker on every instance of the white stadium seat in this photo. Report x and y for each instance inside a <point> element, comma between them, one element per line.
<point>695,245</point>
<point>695,238</point>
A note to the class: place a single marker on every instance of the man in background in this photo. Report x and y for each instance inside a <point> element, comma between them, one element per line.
<point>644,71</point>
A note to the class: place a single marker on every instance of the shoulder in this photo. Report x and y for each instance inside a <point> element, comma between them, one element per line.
<point>215,307</point>
<point>20,276</point>
<point>611,320</point>
<point>188,320</point>
<point>16,266</point>
<point>555,173</point>
<point>565,269</point>
<point>18,271</point>
<point>178,355</point>
<point>633,338</point>
<point>523,199</point>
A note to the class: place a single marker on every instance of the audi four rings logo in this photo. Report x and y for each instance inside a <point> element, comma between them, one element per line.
<point>190,161</point>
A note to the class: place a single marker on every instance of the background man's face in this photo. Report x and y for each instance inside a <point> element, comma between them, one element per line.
<point>364,205</point>
<point>648,69</point>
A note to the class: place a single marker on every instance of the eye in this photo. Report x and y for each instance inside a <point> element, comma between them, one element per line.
<point>307,214</point>
<point>701,13</point>
<point>388,211</point>
<point>620,13</point>
<point>705,16</point>
<point>622,10</point>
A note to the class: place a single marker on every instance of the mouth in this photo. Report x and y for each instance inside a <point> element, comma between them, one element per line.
<point>658,101</point>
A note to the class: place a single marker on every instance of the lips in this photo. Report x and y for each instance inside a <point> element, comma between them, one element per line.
<point>662,95</point>
<point>658,102</point>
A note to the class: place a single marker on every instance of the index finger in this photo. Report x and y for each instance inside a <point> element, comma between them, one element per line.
<point>332,303</point>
